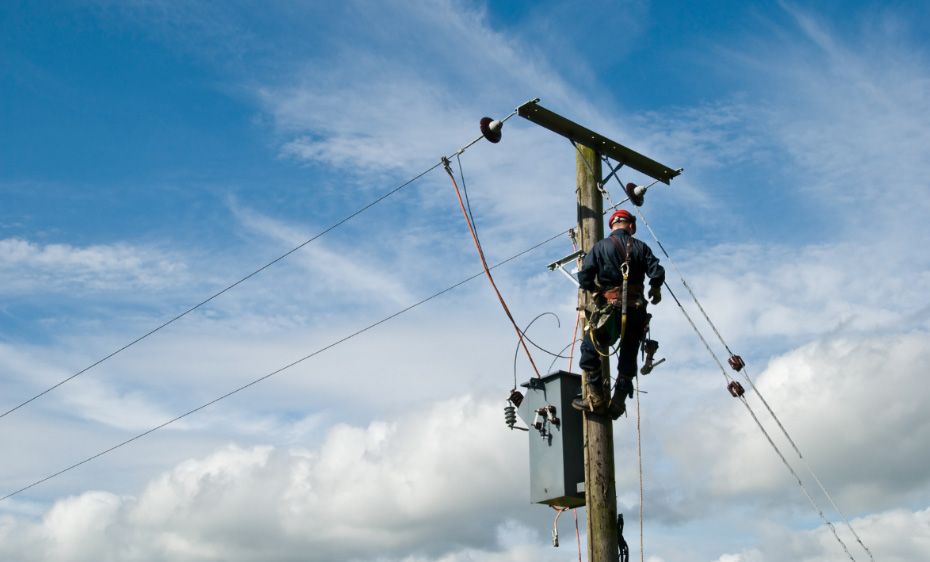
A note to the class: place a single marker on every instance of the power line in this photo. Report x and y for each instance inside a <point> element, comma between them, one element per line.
<point>335,225</point>
<point>225,289</point>
<point>246,278</point>
<point>745,372</point>
<point>761,427</point>
<point>281,369</point>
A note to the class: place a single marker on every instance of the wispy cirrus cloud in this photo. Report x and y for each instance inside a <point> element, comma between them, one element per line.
<point>28,267</point>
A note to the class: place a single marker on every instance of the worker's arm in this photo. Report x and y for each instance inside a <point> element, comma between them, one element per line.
<point>587,275</point>
<point>655,271</point>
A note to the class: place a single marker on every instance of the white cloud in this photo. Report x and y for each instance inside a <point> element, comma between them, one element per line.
<point>895,536</point>
<point>355,272</point>
<point>855,120</point>
<point>839,398</point>
<point>434,479</point>
<point>30,268</point>
<point>813,307</point>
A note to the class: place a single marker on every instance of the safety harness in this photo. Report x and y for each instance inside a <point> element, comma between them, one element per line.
<point>600,316</point>
<point>625,272</point>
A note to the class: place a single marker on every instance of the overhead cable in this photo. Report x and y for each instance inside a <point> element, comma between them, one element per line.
<point>174,319</point>
<point>745,372</point>
<point>742,399</point>
<point>223,290</point>
<point>639,457</point>
<point>749,380</point>
<point>281,369</point>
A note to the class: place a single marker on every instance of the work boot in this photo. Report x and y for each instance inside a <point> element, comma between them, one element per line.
<point>617,405</point>
<point>616,408</point>
<point>595,402</point>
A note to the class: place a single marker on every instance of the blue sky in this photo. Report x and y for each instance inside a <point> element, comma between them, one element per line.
<point>152,153</point>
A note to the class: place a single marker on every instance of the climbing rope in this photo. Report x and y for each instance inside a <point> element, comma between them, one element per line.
<point>745,372</point>
<point>639,456</point>
<point>484,264</point>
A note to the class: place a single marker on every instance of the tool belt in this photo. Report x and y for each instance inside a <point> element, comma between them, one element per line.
<point>604,313</point>
<point>634,295</point>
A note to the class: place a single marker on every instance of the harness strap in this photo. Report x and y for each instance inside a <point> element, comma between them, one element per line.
<point>625,272</point>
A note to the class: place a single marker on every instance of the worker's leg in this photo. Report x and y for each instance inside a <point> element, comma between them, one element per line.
<point>627,359</point>
<point>590,363</point>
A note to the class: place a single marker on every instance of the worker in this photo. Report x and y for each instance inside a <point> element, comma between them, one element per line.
<point>601,274</point>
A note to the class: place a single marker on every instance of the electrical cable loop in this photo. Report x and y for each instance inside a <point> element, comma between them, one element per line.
<point>484,263</point>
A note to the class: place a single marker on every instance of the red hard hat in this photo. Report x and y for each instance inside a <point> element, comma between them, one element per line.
<point>621,215</point>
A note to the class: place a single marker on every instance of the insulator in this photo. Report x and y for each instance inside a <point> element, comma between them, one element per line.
<point>510,416</point>
<point>635,193</point>
<point>736,362</point>
<point>736,389</point>
<point>491,129</point>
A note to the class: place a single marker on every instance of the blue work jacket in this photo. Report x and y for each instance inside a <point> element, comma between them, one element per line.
<point>601,266</point>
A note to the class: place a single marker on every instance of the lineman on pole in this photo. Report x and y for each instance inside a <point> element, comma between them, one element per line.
<point>615,270</point>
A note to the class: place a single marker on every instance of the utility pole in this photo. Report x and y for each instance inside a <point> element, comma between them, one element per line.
<point>600,486</point>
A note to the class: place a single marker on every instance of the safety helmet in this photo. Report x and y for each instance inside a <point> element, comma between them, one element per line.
<point>621,215</point>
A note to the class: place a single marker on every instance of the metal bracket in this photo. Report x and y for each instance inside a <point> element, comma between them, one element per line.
<point>560,265</point>
<point>613,171</point>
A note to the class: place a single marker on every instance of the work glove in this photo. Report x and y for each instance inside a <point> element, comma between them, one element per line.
<point>655,294</point>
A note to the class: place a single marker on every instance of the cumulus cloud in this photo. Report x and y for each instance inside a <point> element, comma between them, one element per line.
<point>897,536</point>
<point>422,489</point>
<point>428,482</point>
<point>839,398</point>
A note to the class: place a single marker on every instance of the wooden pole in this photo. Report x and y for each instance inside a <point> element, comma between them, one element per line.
<point>600,487</point>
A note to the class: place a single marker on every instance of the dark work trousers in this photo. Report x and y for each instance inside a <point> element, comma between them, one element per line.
<point>627,360</point>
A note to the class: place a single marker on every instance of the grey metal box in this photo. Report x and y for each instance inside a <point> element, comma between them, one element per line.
<point>556,450</point>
